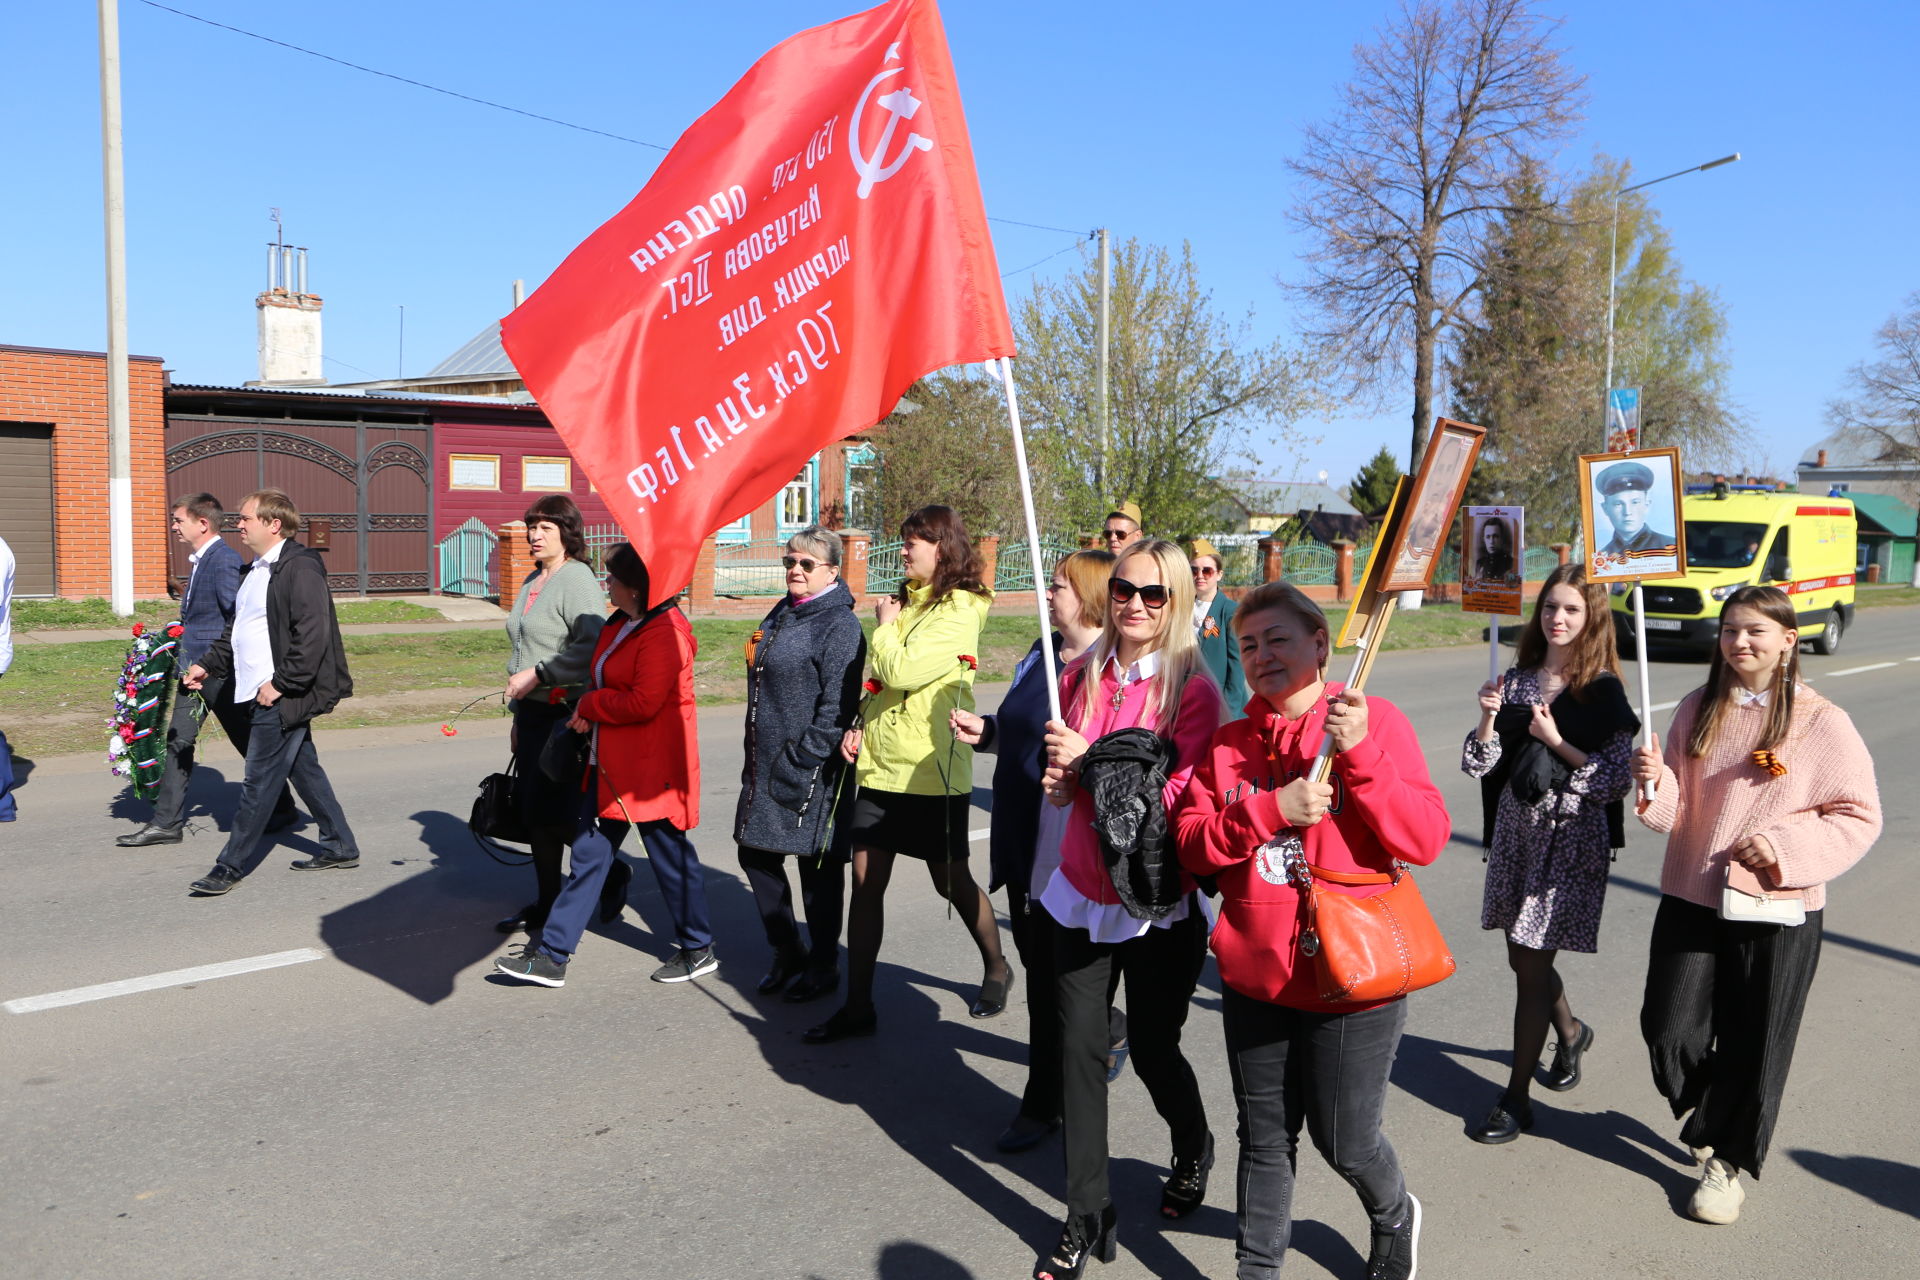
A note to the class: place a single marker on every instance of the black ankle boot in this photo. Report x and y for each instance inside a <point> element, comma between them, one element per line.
<point>1187,1184</point>
<point>1082,1236</point>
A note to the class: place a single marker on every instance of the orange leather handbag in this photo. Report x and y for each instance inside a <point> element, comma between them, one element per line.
<point>1374,948</point>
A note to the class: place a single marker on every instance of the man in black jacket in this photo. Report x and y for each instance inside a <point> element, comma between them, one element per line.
<point>281,650</point>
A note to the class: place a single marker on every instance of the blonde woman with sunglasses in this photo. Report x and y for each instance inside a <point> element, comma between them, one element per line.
<point>1144,671</point>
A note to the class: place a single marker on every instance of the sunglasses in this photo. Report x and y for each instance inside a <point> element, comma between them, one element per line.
<point>1205,571</point>
<point>804,564</point>
<point>1154,595</point>
<point>1111,534</point>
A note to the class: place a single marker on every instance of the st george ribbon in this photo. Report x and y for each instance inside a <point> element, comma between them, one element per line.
<point>814,243</point>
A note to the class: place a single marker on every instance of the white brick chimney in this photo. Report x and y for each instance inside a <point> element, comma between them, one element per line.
<point>289,323</point>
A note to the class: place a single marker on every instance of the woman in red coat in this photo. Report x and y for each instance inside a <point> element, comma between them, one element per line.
<point>1251,810</point>
<point>643,769</point>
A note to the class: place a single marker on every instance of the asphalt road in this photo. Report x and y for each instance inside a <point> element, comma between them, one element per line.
<point>379,1106</point>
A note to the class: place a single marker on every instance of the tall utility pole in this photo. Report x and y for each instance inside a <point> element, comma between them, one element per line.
<point>1106,331</point>
<point>119,424</point>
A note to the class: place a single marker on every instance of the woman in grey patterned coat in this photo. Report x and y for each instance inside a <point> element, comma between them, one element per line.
<point>803,693</point>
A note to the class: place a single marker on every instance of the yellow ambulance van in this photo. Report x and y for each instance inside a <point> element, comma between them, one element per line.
<point>1802,544</point>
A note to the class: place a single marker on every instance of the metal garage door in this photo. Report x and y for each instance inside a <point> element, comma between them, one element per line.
<point>26,504</point>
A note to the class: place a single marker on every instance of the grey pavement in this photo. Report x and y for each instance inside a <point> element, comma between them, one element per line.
<point>388,1109</point>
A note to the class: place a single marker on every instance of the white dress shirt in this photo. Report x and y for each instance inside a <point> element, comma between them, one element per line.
<point>252,650</point>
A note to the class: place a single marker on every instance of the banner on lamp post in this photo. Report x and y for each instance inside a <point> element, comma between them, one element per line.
<point>1623,419</point>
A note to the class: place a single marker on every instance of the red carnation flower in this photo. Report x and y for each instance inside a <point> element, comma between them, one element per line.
<point>449,730</point>
<point>872,686</point>
<point>973,663</point>
<point>176,631</point>
<point>139,628</point>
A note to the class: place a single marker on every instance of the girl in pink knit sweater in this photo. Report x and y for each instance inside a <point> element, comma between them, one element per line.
<point>1765,786</point>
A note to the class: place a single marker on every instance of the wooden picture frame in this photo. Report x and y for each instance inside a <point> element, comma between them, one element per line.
<point>1637,545</point>
<point>1436,495</point>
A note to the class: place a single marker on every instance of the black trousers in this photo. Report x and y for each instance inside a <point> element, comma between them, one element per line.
<point>1720,1018</point>
<point>276,755</point>
<point>1161,968</point>
<point>1033,931</point>
<point>183,731</point>
<point>1328,1071</point>
<point>545,807</point>
<point>823,894</point>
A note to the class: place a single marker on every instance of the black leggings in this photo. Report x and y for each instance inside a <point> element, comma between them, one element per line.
<point>1720,1017</point>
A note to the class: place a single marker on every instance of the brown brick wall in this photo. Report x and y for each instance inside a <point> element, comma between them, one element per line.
<point>68,389</point>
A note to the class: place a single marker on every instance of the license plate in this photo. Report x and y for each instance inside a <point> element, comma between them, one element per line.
<point>1664,624</point>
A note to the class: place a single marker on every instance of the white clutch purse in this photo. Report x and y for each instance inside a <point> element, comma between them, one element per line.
<point>1748,900</point>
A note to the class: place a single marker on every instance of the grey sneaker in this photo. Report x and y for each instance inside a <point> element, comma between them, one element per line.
<point>527,964</point>
<point>687,964</point>
<point>1396,1251</point>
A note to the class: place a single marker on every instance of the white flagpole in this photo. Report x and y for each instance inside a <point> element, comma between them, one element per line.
<point>1493,646</point>
<point>1033,538</point>
<point>1646,696</point>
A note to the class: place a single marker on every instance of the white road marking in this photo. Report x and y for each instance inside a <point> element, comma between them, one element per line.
<point>1854,671</point>
<point>981,834</point>
<point>1663,706</point>
<point>156,981</point>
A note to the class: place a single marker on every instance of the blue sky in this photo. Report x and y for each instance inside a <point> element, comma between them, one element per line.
<point>1161,122</point>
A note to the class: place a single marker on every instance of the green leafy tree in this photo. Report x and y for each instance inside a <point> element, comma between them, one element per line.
<point>1530,364</point>
<point>951,443</point>
<point>1187,389</point>
<point>1372,486</point>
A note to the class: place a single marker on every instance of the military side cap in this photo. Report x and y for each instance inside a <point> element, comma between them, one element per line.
<point>1624,475</point>
<point>1131,510</point>
<point>1201,547</point>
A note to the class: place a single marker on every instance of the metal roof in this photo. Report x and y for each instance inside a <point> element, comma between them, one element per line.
<point>1891,514</point>
<point>482,354</point>
<point>352,393</point>
<point>1267,497</point>
<point>1852,447</point>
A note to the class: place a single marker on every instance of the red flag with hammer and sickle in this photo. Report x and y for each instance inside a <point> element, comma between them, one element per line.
<point>813,244</point>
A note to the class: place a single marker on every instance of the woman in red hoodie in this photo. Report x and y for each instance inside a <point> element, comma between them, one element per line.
<point>1251,807</point>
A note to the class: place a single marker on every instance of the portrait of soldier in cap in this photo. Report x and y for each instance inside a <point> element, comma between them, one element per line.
<point>1625,490</point>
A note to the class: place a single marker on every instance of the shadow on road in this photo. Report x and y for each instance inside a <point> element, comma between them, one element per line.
<point>1887,1183</point>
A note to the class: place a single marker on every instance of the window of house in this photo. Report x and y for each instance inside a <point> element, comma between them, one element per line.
<point>473,471</point>
<point>549,474</point>
<point>863,487</point>
<point>800,499</point>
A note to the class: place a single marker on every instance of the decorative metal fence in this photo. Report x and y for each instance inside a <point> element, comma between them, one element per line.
<point>884,570</point>
<point>1239,558</point>
<point>600,539</point>
<point>1015,569</point>
<point>750,568</point>
<point>466,560</point>
<point>1308,564</point>
<point>1538,563</point>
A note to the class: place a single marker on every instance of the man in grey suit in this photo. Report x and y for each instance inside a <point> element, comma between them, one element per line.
<point>206,607</point>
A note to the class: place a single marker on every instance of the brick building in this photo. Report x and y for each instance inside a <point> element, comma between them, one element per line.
<point>53,471</point>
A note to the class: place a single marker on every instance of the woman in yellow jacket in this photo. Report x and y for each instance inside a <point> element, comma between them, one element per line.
<point>915,777</point>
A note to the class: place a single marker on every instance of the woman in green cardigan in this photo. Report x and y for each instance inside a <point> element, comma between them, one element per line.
<point>1213,627</point>
<point>552,628</point>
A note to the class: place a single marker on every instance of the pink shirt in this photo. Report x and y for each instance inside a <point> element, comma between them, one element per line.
<point>1820,816</point>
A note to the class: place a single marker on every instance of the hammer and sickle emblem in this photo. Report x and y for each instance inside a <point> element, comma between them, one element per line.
<point>899,105</point>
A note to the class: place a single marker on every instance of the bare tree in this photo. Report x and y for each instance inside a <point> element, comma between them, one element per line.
<point>1885,402</point>
<point>1400,189</point>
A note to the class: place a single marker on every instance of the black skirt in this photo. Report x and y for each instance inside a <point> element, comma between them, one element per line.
<point>930,827</point>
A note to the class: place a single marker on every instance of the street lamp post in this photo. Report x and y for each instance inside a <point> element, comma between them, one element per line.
<point>1639,595</point>
<point>1613,264</point>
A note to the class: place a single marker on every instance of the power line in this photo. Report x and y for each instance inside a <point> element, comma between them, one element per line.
<point>418,84</point>
<point>500,106</point>
<point>1031,265</point>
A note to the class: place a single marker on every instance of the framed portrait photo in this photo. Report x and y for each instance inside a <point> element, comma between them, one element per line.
<point>1492,560</point>
<point>1630,522</point>
<point>1435,496</point>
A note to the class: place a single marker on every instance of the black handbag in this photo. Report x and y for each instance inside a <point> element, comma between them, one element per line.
<point>496,812</point>
<point>564,758</point>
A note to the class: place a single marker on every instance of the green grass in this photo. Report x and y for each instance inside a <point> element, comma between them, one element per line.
<point>96,613</point>
<point>1868,597</point>
<point>56,699</point>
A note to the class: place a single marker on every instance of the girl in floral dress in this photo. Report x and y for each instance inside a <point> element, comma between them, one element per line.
<point>1552,750</point>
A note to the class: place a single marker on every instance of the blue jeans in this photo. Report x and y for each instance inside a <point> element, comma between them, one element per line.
<point>8,810</point>
<point>1328,1070</point>
<point>278,753</point>
<point>596,842</point>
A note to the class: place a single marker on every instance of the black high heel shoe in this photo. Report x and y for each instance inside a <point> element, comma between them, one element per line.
<point>1565,1072</point>
<point>1187,1184</point>
<point>1082,1236</point>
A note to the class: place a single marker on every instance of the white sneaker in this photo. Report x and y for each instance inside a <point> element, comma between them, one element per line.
<point>1717,1198</point>
<point>1700,1154</point>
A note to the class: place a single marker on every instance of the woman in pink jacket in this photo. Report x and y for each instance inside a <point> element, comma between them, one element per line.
<point>1145,671</point>
<point>1766,793</point>
<point>1251,809</point>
